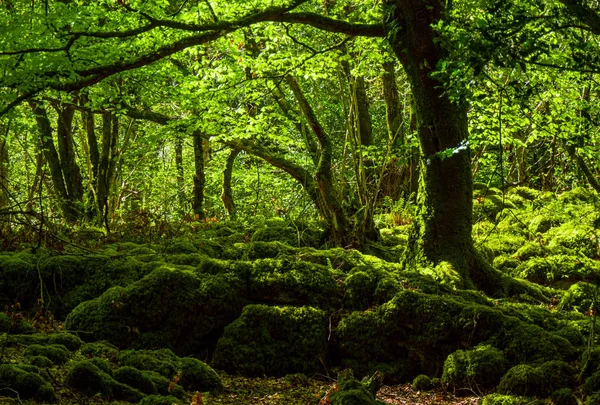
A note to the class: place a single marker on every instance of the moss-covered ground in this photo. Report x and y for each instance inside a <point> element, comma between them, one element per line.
<point>232,313</point>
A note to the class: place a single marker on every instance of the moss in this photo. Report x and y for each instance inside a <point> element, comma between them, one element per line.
<point>416,329</point>
<point>136,379</point>
<point>524,192</point>
<point>162,361</point>
<point>574,238</point>
<point>88,379</point>
<point>198,376</point>
<point>58,354</point>
<point>579,297</point>
<point>267,250</point>
<point>274,341</point>
<point>563,396</point>
<point>557,267</point>
<point>572,334</point>
<point>172,308</point>
<point>164,385</point>
<point>180,246</point>
<point>522,380</point>
<point>506,263</point>
<point>71,342</point>
<point>578,195</point>
<point>529,250</point>
<point>503,243</point>
<point>498,399</point>
<point>593,399</point>
<point>592,383</point>
<point>278,233</point>
<point>160,400</point>
<point>15,380</point>
<point>102,364</point>
<point>40,361</point>
<point>351,392</point>
<point>422,383</point>
<point>557,374</point>
<point>102,349</point>
<point>490,206</point>
<point>292,282</point>
<point>481,367</point>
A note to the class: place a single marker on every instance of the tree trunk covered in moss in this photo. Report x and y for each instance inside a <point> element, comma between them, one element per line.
<point>4,165</point>
<point>226,192</point>
<point>67,205</point>
<point>66,151</point>
<point>89,124</point>
<point>393,113</point>
<point>442,230</point>
<point>199,177</point>
<point>333,211</point>
<point>107,165</point>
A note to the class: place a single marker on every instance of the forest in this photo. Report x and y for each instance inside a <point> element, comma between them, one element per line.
<point>335,202</point>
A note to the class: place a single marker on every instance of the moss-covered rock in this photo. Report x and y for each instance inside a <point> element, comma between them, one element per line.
<point>88,379</point>
<point>71,342</point>
<point>102,349</point>
<point>422,383</point>
<point>593,399</point>
<point>557,267</point>
<point>592,383</point>
<point>102,364</point>
<point>136,379</point>
<point>58,354</point>
<point>367,286</point>
<point>198,376</point>
<point>522,380</point>
<point>416,332</point>
<point>274,341</point>
<point>170,308</point>
<point>478,368</point>
<point>527,193</point>
<point>563,396</point>
<point>40,361</point>
<point>579,297</point>
<point>162,361</point>
<point>15,379</point>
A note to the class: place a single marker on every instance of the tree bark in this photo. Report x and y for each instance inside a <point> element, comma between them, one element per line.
<point>66,151</point>
<point>199,177</point>
<point>227,193</point>
<point>391,98</point>
<point>179,170</point>
<point>442,230</point>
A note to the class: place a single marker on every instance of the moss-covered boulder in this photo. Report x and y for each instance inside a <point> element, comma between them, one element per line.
<point>136,379</point>
<point>87,378</point>
<point>563,396</point>
<point>274,341</point>
<point>415,332</point>
<point>579,297</point>
<point>162,361</point>
<point>196,375</point>
<point>40,361</point>
<point>103,349</point>
<point>16,380</point>
<point>592,383</point>
<point>422,383</point>
<point>478,368</point>
<point>71,342</point>
<point>173,308</point>
<point>58,354</point>
<point>522,380</point>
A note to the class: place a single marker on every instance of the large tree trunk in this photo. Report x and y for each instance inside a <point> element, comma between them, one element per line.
<point>442,230</point>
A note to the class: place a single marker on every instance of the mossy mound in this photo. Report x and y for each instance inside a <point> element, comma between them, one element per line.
<point>196,375</point>
<point>136,379</point>
<point>416,332</point>
<point>367,286</point>
<point>563,396</point>
<point>160,400</point>
<point>40,361</point>
<point>87,378</point>
<point>579,297</point>
<point>353,392</point>
<point>16,380</point>
<point>527,380</point>
<point>422,383</point>
<point>543,270</point>
<point>162,361</point>
<point>478,368</point>
<point>71,342</point>
<point>101,349</point>
<point>58,354</point>
<point>274,341</point>
<point>167,308</point>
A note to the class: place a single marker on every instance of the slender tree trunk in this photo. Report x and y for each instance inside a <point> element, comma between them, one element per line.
<point>442,230</point>
<point>4,166</point>
<point>329,196</point>
<point>94,159</point>
<point>393,113</point>
<point>227,193</point>
<point>199,177</point>
<point>179,169</point>
<point>103,186</point>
